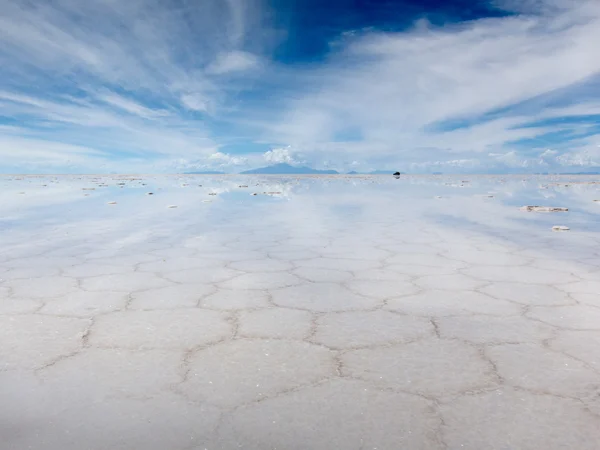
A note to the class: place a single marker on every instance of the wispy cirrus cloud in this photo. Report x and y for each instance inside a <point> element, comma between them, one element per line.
<point>157,84</point>
<point>126,79</point>
<point>473,88</point>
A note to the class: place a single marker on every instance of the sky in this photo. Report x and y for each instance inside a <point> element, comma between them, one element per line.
<point>419,86</point>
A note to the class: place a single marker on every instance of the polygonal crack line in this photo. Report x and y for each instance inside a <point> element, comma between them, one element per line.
<point>542,392</point>
<point>588,409</point>
<point>439,432</point>
<point>228,264</point>
<point>377,346</point>
<point>449,398</point>
<point>291,261</point>
<point>295,262</point>
<point>524,306</point>
<point>85,337</point>
<point>546,344</point>
<point>339,363</point>
<point>554,335</point>
<point>136,266</point>
<point>560,286</point>
<point>163,276</point>
<point>314,325</point>
<point>554,326</point>
<point>234,320</point>
<point>307,280</point>
<point>482,351</point>
<point>128,302</point>
<point>411,278</point>
<point>335,311</point>
<point>436,327</point>
<point>586,304</point>
<point>382,301</point>
<point>205,296</point>
<point>56,360</point>
<point>266,397</point>
<point>487,264</point>
<point>233,277</point>
<point>35,310</point>
<point>60,358</point>
<point>192,351</point>
<point>390,389</point>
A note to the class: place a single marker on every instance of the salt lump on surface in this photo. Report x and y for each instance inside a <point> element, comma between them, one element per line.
<point>544,208</point>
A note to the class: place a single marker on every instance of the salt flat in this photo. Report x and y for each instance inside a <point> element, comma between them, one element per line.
<point>350,312</point>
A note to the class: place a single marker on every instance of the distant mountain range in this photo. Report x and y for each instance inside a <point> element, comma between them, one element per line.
<point>286,169</point>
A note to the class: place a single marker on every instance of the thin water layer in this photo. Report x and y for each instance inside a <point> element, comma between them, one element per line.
<point>352,312</point>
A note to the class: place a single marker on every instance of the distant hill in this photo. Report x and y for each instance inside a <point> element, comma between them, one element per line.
<point>286,169</point>
<point>594,172</point>
<point>206,172</point>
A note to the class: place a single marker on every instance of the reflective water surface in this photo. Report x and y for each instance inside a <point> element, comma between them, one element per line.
<point>348,312</point>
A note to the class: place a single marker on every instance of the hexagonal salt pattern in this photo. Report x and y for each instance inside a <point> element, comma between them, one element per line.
<point>31,341</point>
<point>176,329</point>
<point>509,418</point>
<point>347,330</point>
<point>536,368</point>
<point>275,323</point>
<point>322,297</point>
<point>481,329</point>
<point>430,367</point>
<point>364,417</point>
<point>235,373</point>
<point>289,322</point>
<point>434,303</point>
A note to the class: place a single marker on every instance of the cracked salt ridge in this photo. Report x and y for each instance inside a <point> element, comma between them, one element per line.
<point>248,323</point>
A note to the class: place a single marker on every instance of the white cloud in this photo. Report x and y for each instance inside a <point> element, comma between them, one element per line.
<point>72,75</point>
<point>236,61</point>
<point>392,87</point>
<point>130,106</point>
<point>280,155</point>
<point>582,158</point>
<point>195,102</point>
<point>217,161</point>
<point>225,159</point>
<point>122,77</point>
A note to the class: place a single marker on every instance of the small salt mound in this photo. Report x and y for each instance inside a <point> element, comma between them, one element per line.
<point>544,208</point>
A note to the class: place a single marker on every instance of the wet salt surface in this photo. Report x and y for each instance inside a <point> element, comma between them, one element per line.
<point>323,312</point>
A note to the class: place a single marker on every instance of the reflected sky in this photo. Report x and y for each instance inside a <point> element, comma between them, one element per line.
<point>55,211</point>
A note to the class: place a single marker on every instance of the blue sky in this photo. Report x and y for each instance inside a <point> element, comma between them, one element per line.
<point>155,86</point>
